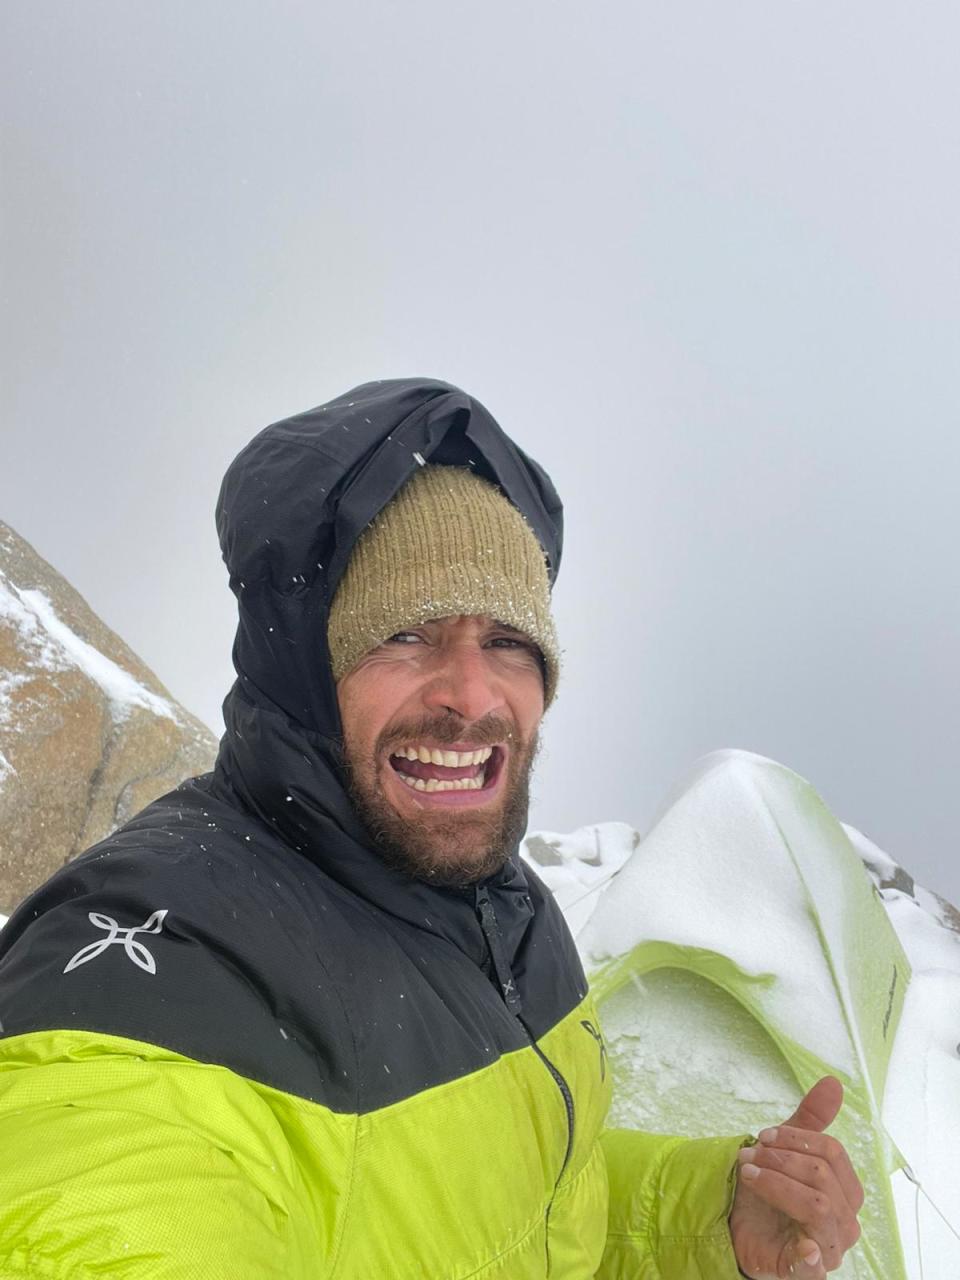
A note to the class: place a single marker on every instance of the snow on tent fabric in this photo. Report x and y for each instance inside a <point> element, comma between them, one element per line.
<point>744,954</point>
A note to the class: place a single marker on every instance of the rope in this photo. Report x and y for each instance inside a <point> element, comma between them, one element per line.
<point>916,1211</point>
<point>921,1191</point>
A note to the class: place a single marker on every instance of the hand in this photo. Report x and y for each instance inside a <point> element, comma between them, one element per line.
<point>797,1199</point>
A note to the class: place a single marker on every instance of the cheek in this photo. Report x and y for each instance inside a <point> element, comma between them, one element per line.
<point>528,706</point>
<point>369,700</point>
<point>354,714</point>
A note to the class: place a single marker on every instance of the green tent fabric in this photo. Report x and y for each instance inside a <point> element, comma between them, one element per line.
<point>740,954</point>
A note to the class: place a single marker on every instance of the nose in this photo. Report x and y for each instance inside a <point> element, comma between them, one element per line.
<point>465,683</point>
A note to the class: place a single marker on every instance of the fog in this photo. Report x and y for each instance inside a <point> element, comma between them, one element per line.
<point>700,260</point>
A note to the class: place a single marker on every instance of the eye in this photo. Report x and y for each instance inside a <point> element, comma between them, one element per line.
<point>518,644</point>
<point>403,637</point>
<point>511,638</point>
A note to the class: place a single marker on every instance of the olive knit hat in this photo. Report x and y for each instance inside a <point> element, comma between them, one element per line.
<point>448,543</point>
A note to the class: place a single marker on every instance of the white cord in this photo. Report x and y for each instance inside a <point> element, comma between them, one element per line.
<point>916,1211</point>
<point>593,889</point>
<point>933,1204</point>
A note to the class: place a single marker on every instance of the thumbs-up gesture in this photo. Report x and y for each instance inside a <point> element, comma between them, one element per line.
<point>797,1199</point>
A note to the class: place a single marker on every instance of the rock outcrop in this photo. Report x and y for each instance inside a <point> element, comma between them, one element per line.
<point>88,735</point>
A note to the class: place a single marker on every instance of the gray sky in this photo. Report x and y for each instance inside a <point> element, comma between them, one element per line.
<point>701,260</point>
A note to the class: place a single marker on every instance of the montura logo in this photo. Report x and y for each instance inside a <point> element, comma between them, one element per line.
<point>588,1026</point>
<point>136,951</point>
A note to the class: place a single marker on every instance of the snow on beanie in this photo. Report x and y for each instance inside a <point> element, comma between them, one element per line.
<point>448,543</point>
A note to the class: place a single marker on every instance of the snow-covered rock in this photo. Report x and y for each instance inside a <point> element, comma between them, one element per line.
<point>88,735</point>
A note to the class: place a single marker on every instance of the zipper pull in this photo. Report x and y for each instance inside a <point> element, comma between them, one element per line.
<point>501,966</point>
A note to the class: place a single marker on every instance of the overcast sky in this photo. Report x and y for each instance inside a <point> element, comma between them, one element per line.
<point>701,260</point>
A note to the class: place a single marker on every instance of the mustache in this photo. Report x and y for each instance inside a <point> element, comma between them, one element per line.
<point>445,730</point>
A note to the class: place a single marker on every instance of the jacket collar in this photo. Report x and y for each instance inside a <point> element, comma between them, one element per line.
<point>290,779</point>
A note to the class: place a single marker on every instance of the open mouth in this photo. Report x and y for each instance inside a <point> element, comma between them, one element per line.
<point>429,770</point>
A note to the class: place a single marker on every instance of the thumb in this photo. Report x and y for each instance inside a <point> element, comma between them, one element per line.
<point>820,1107</point>
<point>805,1260</point>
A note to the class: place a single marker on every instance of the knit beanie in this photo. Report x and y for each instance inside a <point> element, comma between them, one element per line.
<point>448,543</point>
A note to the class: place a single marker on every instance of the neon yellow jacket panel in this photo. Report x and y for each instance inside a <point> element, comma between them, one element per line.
<point>123,1160</point>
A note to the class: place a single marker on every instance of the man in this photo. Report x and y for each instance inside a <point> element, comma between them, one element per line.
<point>308,1016</point>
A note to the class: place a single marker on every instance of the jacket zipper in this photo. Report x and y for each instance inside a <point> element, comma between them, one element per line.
<point>501,965</point>
<point>511,998</point>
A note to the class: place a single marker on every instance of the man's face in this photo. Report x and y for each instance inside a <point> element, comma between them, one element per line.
<point>468,687</point>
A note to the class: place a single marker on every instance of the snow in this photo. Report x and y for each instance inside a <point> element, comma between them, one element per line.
<point>879,863</point>
<point>43,653</point>
<point>649,1053</point>
<point>685,881</point>
<point>54,647</point>
<point>921,1106</point>
<point>695,885</point>
<point>579,865</point>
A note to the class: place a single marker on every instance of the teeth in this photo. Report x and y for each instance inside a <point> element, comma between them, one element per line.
<point>431,784</point>
<point>450,759</point>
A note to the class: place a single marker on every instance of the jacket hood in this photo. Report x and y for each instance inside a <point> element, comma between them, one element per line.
<point>295,500</point>
<point>292,505</point>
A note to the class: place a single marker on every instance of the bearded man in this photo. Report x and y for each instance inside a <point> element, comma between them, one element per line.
<point>308,1016</point>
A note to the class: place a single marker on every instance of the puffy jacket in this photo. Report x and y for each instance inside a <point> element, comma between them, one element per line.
<point>238,1045</point>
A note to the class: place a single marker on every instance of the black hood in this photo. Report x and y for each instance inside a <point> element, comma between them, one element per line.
<point>278,911</point>
<point>295,500</point>
<point>292,505</point>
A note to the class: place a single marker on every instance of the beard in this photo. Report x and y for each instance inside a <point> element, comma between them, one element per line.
<point>459,847</point>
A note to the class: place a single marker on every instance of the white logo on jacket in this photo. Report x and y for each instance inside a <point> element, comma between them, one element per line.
<point>136,951</point>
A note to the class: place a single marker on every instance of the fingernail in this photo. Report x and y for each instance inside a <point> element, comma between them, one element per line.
<point>812,1256</point>
<point>746,1154</point>
<point>768,1135</point>
<point>749,1171</point>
